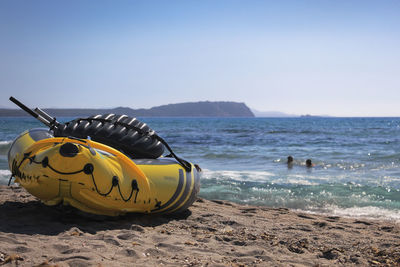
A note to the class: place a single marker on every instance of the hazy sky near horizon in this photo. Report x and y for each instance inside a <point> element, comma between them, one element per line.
<point>339,58</point>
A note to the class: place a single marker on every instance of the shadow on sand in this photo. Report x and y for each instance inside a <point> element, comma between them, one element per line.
<point>33,217</point>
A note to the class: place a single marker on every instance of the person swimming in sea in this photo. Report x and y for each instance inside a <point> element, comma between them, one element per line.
<point>290,162</point>
<point>309,163</point>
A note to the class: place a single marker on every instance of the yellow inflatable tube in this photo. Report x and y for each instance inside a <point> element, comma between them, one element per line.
<point>98,179</point>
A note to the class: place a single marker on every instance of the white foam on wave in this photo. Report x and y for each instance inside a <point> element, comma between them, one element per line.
<point>5,142</point>
<point>300,182</point>
<point>368,212</point>
<point>4,176</point>
<point>387,179</point>
<point>5,173</point>
<point>253,176</point>
<point>259,176</point>
<point>298,179</point>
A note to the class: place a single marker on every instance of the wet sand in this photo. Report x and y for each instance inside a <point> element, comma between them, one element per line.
<point>210,233</point>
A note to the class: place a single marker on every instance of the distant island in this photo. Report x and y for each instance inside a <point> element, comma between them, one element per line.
<point>278,114</point>
<point>189,109</point>
<point>272,114</point>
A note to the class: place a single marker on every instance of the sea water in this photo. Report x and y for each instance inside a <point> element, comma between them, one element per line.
<point>356,172</point>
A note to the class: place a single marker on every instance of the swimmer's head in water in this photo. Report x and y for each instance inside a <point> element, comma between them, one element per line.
<point>308,163</point>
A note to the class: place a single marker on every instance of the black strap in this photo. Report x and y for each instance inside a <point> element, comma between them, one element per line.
<point>9,181</point>
<point>186,165</point>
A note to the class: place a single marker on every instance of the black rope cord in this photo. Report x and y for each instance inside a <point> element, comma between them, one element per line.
<point>134,186</point>
<point>9,180</point>
<point>186,165</point>
<point>87,169</point>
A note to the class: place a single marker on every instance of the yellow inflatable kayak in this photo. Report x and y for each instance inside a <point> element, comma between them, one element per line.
<point>105,164</point>
<point>98,179</point>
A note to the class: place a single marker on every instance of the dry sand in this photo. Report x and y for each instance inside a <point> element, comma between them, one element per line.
<point>210,233</point>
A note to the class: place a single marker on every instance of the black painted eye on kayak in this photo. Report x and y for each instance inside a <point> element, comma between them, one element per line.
<point>69,150</point>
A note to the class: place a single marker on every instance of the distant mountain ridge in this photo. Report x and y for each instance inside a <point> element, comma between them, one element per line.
<point>272,114</point>
<point>188,109</point>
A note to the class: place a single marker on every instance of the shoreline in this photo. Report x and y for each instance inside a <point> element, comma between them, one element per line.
<point>210,233</point>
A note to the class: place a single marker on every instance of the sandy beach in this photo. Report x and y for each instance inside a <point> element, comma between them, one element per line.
<point>210,233</point>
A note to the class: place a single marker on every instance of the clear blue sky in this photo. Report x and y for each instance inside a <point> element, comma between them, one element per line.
<point>339,58</point>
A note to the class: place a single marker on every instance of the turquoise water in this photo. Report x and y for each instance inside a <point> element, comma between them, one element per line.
<point>356,172</point>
